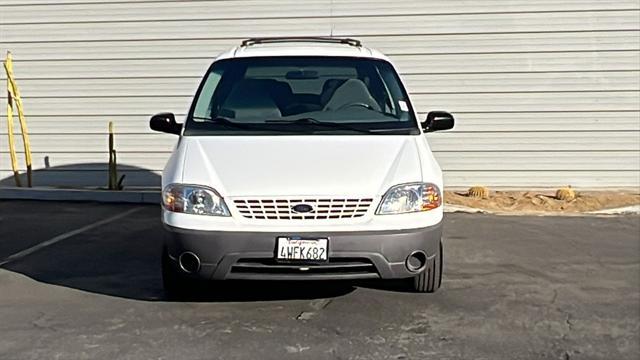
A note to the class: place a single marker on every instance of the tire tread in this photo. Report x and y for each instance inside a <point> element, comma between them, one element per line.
<point>430,279</point>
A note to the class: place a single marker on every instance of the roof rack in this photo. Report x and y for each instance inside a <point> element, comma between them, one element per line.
<point>318,39</point>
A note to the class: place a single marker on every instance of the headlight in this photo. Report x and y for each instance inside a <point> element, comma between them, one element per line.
<point>193,199</point>
<point>409,198</point>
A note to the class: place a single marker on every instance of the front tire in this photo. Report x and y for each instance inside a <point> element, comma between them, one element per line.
<point>429,280</point>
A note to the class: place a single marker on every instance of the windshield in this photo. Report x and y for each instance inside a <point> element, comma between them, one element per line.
<point>294,95</point>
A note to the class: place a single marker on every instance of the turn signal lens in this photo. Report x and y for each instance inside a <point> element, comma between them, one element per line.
<point>431,197</point>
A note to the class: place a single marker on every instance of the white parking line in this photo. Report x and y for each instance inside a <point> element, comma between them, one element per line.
<point>66,235</point>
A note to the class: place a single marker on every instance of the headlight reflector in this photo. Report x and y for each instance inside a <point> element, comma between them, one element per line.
<point>408,198</point>
<point>193,199</point>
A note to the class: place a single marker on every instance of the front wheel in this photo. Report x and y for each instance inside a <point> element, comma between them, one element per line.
<point>429,280</point>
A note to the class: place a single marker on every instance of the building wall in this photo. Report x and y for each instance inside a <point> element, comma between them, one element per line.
<point>545,92</point>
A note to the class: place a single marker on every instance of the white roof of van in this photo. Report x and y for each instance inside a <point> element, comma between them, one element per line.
<point>301,48</point>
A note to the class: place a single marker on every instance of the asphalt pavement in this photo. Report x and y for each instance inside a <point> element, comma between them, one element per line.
<point>82,281</point>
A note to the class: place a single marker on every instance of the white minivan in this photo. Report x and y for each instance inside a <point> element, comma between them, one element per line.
<point>302,159</point>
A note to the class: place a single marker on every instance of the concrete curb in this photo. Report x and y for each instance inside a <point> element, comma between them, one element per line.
<point>626,210</point>
<point>450,208</point>
<point>104,196</point>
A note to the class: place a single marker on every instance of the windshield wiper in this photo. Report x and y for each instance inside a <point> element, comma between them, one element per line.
<point>313,121</point>
<point>410,129</point>
<point>225,121</point>
<point>228,122</point>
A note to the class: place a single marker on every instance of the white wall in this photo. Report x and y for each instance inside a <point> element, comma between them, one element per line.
<point>545,92</point>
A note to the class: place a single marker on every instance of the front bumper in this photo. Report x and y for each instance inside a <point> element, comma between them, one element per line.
<point>352,254</point>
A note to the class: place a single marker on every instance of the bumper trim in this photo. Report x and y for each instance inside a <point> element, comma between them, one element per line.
<point>221,252</point>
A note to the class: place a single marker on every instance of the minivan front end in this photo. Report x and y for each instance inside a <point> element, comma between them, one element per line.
<point>373,218</point>
<point>302,168</point>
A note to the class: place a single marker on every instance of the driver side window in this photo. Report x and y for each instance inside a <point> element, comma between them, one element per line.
<point>204,104</point>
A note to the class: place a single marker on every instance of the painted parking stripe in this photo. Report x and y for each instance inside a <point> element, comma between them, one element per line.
<point>64,236</point>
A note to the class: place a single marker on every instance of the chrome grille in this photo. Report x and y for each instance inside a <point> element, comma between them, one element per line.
<point>282,208</point>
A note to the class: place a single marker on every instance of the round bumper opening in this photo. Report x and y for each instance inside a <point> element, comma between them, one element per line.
<point>189,262</point>
<point>416,261</point>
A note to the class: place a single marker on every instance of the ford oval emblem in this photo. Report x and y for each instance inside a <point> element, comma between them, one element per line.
<point>302,208</point>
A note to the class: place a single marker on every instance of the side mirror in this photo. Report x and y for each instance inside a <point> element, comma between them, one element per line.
<point>438,120</point>
<point>165,122</point>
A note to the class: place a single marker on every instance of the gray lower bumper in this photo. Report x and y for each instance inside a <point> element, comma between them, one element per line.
<point>352,255</point>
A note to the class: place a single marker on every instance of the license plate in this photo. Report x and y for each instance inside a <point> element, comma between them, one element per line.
<point>295,249</point>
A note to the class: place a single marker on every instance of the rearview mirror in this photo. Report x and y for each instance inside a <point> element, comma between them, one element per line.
<point>438,120</point>
<point>165,122</point>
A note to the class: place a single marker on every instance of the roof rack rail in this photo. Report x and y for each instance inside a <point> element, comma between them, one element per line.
<point>319,39</point>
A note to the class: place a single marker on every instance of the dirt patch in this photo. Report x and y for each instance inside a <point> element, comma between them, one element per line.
<point>544,201</point>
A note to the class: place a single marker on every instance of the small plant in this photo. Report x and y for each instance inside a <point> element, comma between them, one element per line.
<point>566,194</point>
<point>114,182</point>
<point>479,192</point>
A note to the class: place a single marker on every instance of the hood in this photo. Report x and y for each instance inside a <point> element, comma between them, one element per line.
<point>301,165</point>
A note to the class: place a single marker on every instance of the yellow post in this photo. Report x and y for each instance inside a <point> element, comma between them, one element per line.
<point>12,145</point>
<point>23,122</point>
